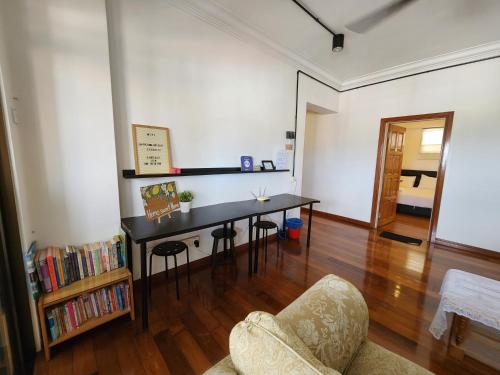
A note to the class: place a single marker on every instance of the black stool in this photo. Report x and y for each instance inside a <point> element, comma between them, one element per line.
<point>166,249</point>
<point>223,234</point>
<point>266,226</point>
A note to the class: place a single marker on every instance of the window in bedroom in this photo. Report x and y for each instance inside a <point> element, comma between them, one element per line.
<point>432,138</point>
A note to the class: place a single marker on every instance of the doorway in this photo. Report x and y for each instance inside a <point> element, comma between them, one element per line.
<point>409,175</point>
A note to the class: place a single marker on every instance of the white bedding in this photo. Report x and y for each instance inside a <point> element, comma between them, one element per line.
<point>416,197</point>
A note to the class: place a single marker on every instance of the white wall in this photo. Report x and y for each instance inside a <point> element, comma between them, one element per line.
<point>470,207</point>
<point>54,61</point>
<point>219,96</point>
<point>321,160</point>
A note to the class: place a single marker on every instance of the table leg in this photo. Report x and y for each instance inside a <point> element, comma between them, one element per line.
<point>457,337</point>
<point>256,256</point>
<point>128,245</point>
<point>250,235</point>
<point>460,328</point>
<point>309,224</point>
<point>283,225</point>
<point>144,288</point>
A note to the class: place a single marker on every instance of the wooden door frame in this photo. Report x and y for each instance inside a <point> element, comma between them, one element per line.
<point>448,117</point>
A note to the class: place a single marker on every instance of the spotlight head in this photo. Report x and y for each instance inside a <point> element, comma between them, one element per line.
<point>338,42</point>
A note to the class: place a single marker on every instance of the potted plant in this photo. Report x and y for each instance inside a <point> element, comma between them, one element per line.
<point>185,199</point>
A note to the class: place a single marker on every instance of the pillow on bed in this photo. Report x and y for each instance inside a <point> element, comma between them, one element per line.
<point>407,181</point>
<point>427,182</point>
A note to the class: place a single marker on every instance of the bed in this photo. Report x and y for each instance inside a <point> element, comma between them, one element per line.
<point>414,200</point>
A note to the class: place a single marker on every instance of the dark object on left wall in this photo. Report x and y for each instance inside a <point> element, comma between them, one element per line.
<point>14,298</point>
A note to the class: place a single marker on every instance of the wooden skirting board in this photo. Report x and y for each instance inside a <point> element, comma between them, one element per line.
<point>334,217</point>
<point>467,249</point>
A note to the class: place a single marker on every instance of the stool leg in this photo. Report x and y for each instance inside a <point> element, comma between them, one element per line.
<point>256,249</point>
<point>166,267</point>
<point>277,242</point>
<point>150,272</point>
<point>231,247</point>
<point>214,251</point>
<point>224,238</point>
<point>265,244</point>
<point>176,277</point>
<point>189,271</point>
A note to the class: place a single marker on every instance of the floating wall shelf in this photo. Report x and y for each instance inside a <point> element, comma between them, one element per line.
<point>130,173</point>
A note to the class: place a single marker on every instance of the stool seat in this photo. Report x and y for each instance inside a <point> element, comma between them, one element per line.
<point>223,234</point>
<point>169,248</point>
<point>166,249</point>
<point>219,233</point>
<point>264,224</point>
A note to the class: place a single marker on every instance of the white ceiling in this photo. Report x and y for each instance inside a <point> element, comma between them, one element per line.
<point>423,30</point>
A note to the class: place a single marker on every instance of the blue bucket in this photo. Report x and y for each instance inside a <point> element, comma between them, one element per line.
<point>294,223</point>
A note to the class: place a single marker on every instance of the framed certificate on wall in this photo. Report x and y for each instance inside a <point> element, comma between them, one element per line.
<point>151,149</point>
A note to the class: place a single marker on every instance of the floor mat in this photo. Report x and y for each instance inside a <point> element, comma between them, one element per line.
<point>400,238</point>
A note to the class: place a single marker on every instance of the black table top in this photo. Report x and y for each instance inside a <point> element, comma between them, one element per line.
<point>142,230</point>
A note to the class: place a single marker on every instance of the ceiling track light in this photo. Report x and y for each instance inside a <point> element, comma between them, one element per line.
<point>338,39</point>
<point>338,42</point>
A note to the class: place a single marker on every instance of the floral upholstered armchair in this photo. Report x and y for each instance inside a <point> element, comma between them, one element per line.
<point>324,331</point>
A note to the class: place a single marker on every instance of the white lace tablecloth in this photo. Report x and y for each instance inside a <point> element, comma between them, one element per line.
<point>472,296</point>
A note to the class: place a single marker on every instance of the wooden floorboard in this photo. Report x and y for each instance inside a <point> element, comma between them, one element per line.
<point>400,283</point>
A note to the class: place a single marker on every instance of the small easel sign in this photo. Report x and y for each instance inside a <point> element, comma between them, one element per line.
<point>159,200</point>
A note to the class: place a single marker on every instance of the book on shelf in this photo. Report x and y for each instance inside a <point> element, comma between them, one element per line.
<point>58,267</point>
<point>32,271</point>
<point>71,314</point>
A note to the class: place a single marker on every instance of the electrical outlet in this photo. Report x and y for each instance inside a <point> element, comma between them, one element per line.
<point>193,241</point>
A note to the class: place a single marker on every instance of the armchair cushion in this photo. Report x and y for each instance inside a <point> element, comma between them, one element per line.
<point>331,318</point>
<point>261,344</point>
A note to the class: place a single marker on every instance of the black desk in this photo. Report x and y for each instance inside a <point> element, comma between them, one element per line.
<point>140,230</point>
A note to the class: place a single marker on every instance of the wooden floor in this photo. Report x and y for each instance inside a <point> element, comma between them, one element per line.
<point>399,282</point>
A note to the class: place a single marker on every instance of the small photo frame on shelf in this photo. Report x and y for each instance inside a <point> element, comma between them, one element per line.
<point>268,165</point>
<point>151,149</point>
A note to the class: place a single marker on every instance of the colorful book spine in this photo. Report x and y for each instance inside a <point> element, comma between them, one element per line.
<point>84,263</point>
<point>120,249</point>
<point>52,271</point>
<point>45,271</point>
<point>80,263</point>
<point>51,322</point>
<point>64,266</point>
<point>91,260</point>
<point>59,269</point>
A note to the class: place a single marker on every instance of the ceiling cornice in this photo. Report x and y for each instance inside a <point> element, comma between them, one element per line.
<point>214,14</point>
<point>481,52</point>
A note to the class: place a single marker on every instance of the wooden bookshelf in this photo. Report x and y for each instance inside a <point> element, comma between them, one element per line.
<point>87,285</point>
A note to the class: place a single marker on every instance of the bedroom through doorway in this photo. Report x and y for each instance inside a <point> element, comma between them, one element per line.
<point>410,174</point>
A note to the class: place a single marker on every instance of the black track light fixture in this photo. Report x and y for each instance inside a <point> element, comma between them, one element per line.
<point>338,39</point>
<point>338,42</point>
